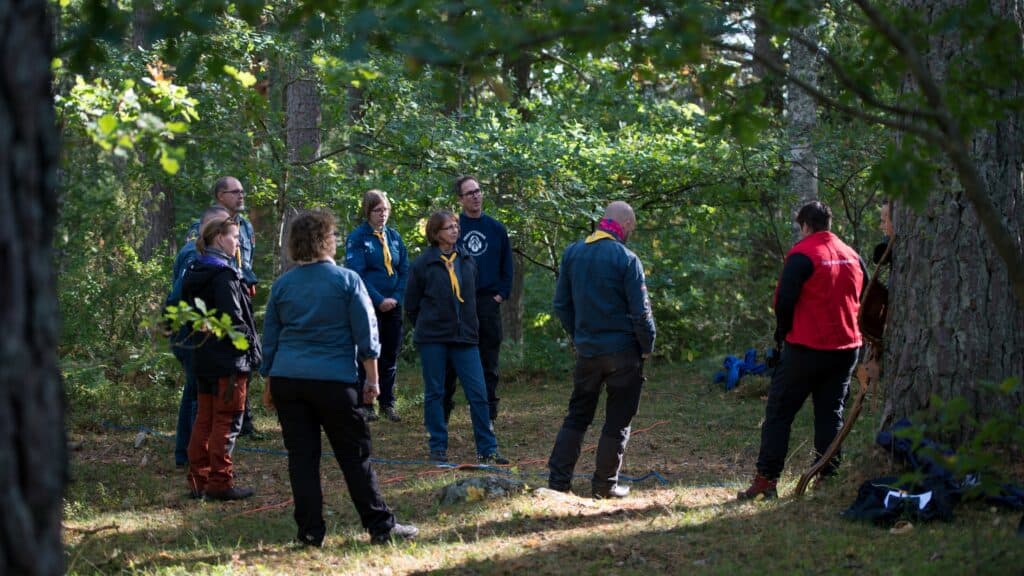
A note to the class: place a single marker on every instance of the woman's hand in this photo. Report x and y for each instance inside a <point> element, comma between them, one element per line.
<point>370,392</point>
<point>268,400</point>
<point>387,304</point>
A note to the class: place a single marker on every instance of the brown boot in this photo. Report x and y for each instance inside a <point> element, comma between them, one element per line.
<point>760,489</point>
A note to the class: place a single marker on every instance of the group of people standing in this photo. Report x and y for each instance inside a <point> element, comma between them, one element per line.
<point>332,335</point>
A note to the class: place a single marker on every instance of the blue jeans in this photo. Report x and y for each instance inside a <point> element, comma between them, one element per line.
<point>188,408</point>
<point>466,360</point>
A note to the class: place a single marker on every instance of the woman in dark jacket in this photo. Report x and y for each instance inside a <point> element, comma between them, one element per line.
<point>440,301</point>
<point>378,255</point>
<point>222,369</point>
<point>319,323</point>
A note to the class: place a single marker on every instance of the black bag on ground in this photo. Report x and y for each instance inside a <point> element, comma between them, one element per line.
<point>884,501</point>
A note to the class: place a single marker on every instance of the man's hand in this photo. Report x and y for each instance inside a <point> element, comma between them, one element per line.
<point>370,392</point>
<point>251,288</point>
<point>498,298</point>
<point>387,304</point>
<point>268,400</point>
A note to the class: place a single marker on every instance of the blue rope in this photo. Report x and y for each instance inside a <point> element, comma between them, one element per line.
<point>170,438</point>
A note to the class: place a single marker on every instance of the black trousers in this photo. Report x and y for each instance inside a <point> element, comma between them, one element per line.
<point>824,375</point>
<point>303,408</point>
<point>389,326</point>
<point>622,374</point>
<point>489,315</point>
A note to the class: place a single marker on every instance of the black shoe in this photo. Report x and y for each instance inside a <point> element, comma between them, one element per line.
<point>438,456</point>
<point>613,491</point>
<point>397,533</point>
<point>233,493</point>
<point>563,488</point>
<point>370,414</point>
<point>311,540</point>
<point>493,460</point>
<point>391,415</point>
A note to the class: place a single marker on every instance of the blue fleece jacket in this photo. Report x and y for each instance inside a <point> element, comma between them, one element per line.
<point>364,255</point>
<point>601,299</point>
<point>319,322</point>
<point>486,240</point>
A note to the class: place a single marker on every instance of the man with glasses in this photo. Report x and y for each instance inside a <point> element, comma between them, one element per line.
<point>486,240</point>
<point>228,192</point>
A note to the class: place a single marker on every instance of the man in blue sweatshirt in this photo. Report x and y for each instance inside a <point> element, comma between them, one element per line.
<point>486,240</point>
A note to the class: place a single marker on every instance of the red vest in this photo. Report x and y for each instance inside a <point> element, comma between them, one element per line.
<point>825,316</point>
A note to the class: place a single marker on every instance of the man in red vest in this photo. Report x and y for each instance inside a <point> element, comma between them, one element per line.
<point>816,305</point>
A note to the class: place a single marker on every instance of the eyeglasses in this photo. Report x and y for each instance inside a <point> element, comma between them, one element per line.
<point>473,192</point>
<point>236,191</point>
<point>450,227</point>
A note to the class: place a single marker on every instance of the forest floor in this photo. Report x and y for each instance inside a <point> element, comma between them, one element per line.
<point>127,509</point>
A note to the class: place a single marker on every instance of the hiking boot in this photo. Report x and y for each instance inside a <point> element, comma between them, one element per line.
<point>493,460</point>
<point>370,414</point>
<point>760,489</point>
<point>613,491</point>
<point>438,456</point>
<point>391,415</point>
<point>397,533</point>
<point>233,493</point>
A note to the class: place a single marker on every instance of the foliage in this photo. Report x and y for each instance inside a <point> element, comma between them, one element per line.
<point>980,454</point>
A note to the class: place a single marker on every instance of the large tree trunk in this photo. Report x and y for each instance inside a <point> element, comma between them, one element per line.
<point>302,138</point>
<point>801,123</point>
<point>955,323</point>
<point>158,204</point>
<point>33,459</point>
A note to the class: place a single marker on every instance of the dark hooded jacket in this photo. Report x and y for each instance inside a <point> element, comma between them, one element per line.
<point>220,286</point>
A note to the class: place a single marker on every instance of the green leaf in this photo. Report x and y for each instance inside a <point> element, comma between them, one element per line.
<point>107,124</point>
<point>170,165</point>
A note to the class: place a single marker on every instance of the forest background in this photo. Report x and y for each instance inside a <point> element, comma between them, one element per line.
<point>714,120</point>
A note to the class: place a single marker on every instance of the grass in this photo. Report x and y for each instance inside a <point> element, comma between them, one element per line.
<point>126,510</point>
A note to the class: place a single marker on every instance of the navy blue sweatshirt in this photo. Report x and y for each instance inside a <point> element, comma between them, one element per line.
<point>486,240</point>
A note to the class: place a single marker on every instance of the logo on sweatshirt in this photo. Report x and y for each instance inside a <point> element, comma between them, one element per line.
<point>474,243</point>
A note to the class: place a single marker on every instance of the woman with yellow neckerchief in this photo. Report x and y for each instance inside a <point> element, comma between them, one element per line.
<point>377,253</point>
<point>440,301</point>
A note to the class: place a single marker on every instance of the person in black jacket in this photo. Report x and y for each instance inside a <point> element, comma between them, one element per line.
<point>440,302</point>
<point>222,369</point>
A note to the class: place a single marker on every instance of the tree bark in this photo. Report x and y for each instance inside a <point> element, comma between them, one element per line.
<point>802,120</point>
<point>302,139</point>
<point>33,459</point>
<point>955,323</point>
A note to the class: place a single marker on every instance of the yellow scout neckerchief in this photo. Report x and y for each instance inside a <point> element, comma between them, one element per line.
<point>449,264</point>
<point>387,251</point>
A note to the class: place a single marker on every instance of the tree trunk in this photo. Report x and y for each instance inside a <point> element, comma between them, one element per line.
<point>33,458</point>
<point>302,138</point>
<point>159,207</point>
<point>955,323</point>
<point>802,120</point>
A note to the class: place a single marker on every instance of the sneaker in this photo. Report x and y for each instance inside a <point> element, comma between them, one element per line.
<point>438,456</point>
<point>397,533</point>
<point>233,493</point>
<point>391,415</point>
<point>610,492</point>
<point>493,460</point>
<point>563,488</point>
<point>760,489</point>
